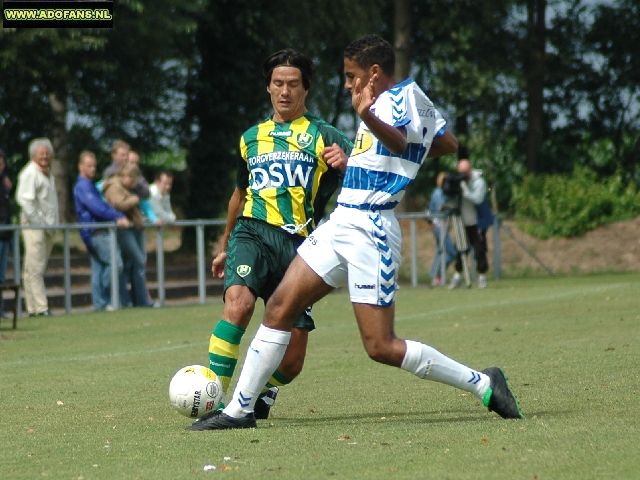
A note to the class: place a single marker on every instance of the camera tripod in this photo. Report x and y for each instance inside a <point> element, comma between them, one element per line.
<point>459,239</point>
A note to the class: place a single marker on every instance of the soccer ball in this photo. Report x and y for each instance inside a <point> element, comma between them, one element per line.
<point>195,390</point>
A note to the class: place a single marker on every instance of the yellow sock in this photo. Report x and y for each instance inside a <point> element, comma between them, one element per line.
<point>224,349</point>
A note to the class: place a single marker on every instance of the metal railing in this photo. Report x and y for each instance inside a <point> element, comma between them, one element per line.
<point>201,254</point>
<point>112,229</point>
<point>413,217</point>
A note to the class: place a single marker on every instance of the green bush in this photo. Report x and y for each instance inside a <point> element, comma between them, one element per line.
<point>566,206</point>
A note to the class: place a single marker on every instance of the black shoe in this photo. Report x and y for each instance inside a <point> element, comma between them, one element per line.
<point>264,404</point>
<point>46,313</point>
<point>207,416</point>
<point>499,397</point>
<point>222,421</point>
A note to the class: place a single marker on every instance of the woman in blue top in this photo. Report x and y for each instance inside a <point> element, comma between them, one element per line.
<point>438,199</point>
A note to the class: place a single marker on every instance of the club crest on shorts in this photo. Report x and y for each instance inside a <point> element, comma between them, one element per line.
<point>243,270</point>
<point>304,139</point>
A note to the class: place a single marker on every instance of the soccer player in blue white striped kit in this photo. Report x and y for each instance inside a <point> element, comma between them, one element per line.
<point>359,246</point>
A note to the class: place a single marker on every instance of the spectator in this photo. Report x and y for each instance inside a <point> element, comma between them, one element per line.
<point>92,209</point>
<point>159,196</point>
<point>117,191</point>
<point>141,189</point>
<point>6,237</point>
<point>474,194</point>
<point>119,154</point>
<point>36,194</point>
<point>438,199</point>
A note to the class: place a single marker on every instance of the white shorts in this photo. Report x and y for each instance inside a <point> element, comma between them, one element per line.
<point>360,249</point>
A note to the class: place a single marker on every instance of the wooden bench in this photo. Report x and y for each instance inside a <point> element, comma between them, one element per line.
<point>16,291</point>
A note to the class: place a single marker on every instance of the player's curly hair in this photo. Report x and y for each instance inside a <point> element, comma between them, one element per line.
<point>289,57</point>
<point>371,50</point>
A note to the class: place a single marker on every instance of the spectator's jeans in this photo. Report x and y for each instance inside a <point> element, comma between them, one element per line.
<point>5,246</point>
<point>37,249</point>
<point>134,259</point>
<point>449,248</point>
<point>100,255</point>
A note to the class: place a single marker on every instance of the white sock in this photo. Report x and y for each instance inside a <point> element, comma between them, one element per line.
<point>263,357</point>
<point>428,363</point>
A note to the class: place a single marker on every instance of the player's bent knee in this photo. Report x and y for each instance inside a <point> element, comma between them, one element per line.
<point>380,353</point>
<point>239,309</point>
<point>279,313</point>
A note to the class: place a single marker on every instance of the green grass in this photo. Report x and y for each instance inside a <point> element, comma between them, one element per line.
<point>85,396</point>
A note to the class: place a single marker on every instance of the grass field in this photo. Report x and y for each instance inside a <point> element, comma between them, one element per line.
<point>85,396</point>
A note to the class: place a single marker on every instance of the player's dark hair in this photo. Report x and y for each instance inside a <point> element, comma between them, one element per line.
<point>371,50</point>
<point>289,57</point>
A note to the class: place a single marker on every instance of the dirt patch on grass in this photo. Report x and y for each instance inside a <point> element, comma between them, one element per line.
<point>609,248</point>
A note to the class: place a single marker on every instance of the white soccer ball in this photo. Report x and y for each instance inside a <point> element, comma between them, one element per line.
<point>195,390</point>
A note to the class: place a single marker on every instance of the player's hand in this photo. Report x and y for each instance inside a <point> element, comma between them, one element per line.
<point>362,97</point>
<point>158,222</point>
<point>335,157</point>
<point>217,266</point>
<point>7,183</point>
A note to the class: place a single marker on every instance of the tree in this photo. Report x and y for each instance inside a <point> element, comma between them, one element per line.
<point>614,91</point>
<point>105,83</point>
<point>402,37</point>
<point>47,79</point>
<point>463,56</point>
<point>534,63</point>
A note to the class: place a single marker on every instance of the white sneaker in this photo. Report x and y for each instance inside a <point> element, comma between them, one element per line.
<point>482,281</point>
<point>456,282</point>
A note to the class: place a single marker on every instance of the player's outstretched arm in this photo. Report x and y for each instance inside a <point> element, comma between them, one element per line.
<point>443,145</point>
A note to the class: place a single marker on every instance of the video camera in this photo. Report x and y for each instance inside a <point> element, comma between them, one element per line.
<point>451,184</point>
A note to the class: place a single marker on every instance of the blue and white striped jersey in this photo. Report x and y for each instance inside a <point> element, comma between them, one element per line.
<point>376,178</point>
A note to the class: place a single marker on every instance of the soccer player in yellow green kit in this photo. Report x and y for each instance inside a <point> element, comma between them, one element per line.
<point>290,165</point>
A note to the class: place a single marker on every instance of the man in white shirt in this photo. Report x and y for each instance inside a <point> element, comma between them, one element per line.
<point>36,194</point>
<point>159,196</point>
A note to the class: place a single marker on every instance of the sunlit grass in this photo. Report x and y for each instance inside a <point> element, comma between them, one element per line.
<point>85,396</point>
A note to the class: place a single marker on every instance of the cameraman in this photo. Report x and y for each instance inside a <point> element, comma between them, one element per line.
<point>474,193</point>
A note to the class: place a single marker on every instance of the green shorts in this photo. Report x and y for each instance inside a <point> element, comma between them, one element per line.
<point>258,256</point>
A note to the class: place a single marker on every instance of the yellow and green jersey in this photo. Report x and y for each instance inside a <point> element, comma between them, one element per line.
<point>288,181</point>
